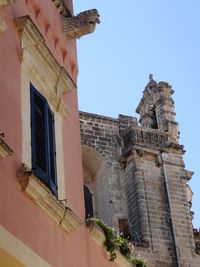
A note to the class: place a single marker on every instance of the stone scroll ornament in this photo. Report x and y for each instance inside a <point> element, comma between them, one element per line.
<point>76,26</point>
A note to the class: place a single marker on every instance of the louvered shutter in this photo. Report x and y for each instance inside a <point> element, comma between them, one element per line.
<point>52,151</point>
<point>39,137</point>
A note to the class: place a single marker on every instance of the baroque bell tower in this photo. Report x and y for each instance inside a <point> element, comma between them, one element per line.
<point>156,182</point>
<point>156,109</point>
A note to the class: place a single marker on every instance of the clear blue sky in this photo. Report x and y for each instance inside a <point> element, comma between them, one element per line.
<point>136,38</point>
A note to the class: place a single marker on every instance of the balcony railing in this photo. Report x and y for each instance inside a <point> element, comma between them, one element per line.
<point>144,137</point>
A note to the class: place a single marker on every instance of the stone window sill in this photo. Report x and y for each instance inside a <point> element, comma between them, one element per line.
<point>42,197</point>
<point>99,237</point>
<point>5,150</point>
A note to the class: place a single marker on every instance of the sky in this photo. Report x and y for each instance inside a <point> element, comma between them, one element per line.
<point>136,38</point>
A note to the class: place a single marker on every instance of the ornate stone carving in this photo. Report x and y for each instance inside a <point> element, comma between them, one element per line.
<point>43,198</point>
<point>38,60</point>
<point>4,3</point>
<point>176,146</point>
<point>187,175</point>
<point>5,150</point>
<point>144,137</point>
<point>61,7</point>
<point>82,24</point>
<point>157,106</point>
<point>197,241</point>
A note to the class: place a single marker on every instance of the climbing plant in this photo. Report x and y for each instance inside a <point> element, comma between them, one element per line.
<point>114,241</point>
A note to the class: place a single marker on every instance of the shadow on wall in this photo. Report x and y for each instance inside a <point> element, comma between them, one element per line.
<point>96,187</point>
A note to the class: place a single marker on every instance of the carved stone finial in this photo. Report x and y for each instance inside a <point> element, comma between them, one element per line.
<point>76,26</point>
<point>152,83</point>
<point>150,77</point>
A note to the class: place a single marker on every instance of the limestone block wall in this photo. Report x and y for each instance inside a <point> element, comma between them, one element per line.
<point>146,184</point>
<point>103,135</point>
<point>180,206</point>
<point>148,209</point>
<point>145,180</point>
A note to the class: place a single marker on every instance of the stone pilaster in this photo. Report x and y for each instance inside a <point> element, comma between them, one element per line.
<point>136,204</point>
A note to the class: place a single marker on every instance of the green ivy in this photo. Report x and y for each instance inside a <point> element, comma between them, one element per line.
<point>114,241</point>
<point>139,262</point>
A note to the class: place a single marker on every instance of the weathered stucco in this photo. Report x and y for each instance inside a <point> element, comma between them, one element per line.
<point>33,50</point>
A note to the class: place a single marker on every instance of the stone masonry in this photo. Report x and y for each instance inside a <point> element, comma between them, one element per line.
<point>103,134</point>
<point>145,180</point>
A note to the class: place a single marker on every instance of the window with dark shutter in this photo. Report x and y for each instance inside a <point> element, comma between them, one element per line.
<point>88,203</point>
<point>43,140</point>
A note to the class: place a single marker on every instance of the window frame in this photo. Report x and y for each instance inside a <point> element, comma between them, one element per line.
<point>88,200</point>
<point>48,174</point>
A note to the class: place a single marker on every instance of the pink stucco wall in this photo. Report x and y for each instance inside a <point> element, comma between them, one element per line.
<point>18,214</point>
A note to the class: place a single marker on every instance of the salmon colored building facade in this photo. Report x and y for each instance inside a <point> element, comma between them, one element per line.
<point>42,216</point>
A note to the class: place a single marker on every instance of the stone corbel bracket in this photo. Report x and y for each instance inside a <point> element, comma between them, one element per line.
<point>5,150</point>
<point>76,26</point>
<point>187,175</point>
<point>42,197</point>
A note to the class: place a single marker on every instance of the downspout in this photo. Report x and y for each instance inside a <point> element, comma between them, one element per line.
<point>170,210</point>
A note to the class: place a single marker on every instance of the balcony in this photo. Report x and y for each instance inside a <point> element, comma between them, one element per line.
<point>144,137</point>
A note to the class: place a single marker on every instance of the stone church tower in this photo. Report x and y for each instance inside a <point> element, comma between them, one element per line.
<point>135,178</point>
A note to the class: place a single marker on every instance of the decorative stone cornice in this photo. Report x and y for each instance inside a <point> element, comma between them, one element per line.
<point>176,147</point>
<point>42,197</point>
<point>62,9</point>
<point>98,236</point>
<point>4,3</point>
<point>187,175</point>
<point>3,25</point>
<point>5,150</point>
<point>76,26</point>
<point>37,58</point>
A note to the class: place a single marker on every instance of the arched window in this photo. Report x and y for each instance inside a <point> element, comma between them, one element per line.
<point>96,189</point>
<point>154,123</point>
<point>88,203</point>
